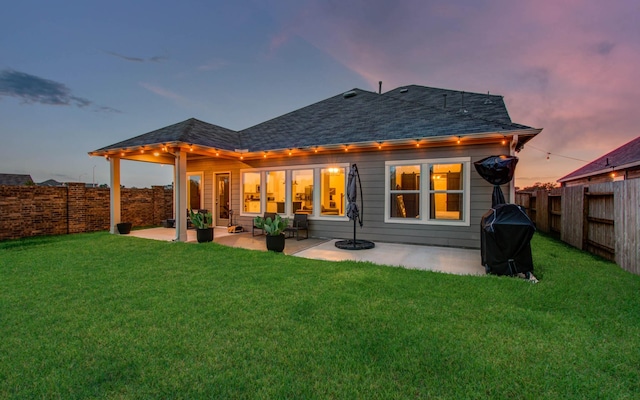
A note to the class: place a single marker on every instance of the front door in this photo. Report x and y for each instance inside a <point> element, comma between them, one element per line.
<point>222,199</point>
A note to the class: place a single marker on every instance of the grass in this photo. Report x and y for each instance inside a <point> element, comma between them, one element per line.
<point>105,316</point>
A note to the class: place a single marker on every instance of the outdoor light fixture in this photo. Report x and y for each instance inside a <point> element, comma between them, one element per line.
<point>264,155</point>
<point>458,139</point>
<point>290,152</point>
<point>504,140</point>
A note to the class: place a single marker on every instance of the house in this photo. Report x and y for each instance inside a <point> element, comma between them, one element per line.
<point>51,183</point>
<point>619,164</point>
<point>15,179</point>
<point>414,147</point>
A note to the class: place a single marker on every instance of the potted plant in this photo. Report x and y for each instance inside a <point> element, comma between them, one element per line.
<point>274,230</point>
<point>124,228</point>
<point>202,223</point>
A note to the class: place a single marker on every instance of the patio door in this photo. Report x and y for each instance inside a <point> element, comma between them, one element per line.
<point>222,199</point>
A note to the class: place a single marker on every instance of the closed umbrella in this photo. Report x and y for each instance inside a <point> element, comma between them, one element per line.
<point>353,212</point>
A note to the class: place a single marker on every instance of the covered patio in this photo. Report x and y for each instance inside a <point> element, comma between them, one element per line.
<point>429,258</point>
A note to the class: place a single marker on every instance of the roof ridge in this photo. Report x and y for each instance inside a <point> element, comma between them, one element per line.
<point>448,90</point>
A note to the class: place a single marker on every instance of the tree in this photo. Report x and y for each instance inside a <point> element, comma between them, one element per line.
<point>540,186</point>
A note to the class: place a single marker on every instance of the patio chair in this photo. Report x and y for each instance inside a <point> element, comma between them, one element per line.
<point>271,215</point>
<point>300,223</point>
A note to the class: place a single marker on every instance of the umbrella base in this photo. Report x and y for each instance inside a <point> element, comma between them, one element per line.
<point>355,244</point>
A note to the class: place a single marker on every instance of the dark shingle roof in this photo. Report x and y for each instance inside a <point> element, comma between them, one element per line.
<point>50,182</point>
<point>406,113</point>
<point>628,153</point>
<point>370,117</point>
<point>189,131</point>
<point>485,106</point>
<point>15,179</point>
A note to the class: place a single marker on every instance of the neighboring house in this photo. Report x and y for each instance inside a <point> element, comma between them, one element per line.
<point>414,147</point>
<point>51,182</point>
<point>15,179</point>
<point>619,164</point>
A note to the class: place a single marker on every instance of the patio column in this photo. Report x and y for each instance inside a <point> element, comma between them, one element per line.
<point>512,184</point>
<point>180,193</point>
<point>114,194</point>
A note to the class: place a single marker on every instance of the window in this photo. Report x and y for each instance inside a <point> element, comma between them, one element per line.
<point>332,191</point>
<point>317,190</point>
<point>302,191</point>
<point>251,192</point>
<point>195,194</point>
<point>446,191</point>
<point>404,191</point>
<point>275,191</point>
<point>428,191</point>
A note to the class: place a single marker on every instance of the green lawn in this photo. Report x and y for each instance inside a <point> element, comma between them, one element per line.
<point>105,316</point>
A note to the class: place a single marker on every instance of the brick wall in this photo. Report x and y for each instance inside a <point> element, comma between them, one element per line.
<point>35,210</point>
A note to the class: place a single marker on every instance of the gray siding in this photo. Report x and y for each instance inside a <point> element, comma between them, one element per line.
<point>371,165</point>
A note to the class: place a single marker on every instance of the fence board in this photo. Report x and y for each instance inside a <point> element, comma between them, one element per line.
<point>572,199</point>
<point>628,235</point>
<point>542,211</point>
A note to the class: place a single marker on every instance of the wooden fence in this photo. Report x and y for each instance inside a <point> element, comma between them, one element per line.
<point>602,218</point>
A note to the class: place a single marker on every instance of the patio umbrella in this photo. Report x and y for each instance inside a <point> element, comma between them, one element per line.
<point>353,212</point>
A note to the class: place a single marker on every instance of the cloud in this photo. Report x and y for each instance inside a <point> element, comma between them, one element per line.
<point>213,65</point>
<point>156,59</point>
<point>33,89</point>
<point>162,92</point>
<point>107,109</point>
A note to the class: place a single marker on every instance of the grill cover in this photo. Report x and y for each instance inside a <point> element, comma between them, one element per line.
<point>505,236</point>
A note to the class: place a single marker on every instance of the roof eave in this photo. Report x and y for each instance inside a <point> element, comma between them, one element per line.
<point>568,178</point>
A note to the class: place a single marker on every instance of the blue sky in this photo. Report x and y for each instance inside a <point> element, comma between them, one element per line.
<point>79,75</point>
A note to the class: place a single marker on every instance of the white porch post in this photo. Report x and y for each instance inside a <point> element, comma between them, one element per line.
<point>180,192</point>
<point>114,194</point>
<point>512,184</point>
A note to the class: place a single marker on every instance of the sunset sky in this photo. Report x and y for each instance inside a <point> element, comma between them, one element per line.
<point>79,75</point>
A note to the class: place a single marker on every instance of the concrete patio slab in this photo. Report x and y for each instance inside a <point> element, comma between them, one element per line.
<point>431,258</point>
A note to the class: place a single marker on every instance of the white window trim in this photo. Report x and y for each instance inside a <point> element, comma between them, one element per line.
<point>316,192</point>
<point>425,191</point>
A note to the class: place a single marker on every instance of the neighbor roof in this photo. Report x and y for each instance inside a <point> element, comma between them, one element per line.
<point>15,179</point>
<point>357,116</point>
<point>625,156</point>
